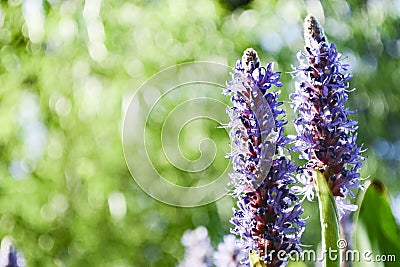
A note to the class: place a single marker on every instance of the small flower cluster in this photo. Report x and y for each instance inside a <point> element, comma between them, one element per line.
<point>256,130</point>
<point>268,213</point>
<point>326,136</point>
<point>199,251</point>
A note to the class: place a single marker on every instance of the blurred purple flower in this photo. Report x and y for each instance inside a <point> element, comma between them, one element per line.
<point>198,249</point>
<point>326,135</point>
<point>229,253</point>
<point>9,256</point>
<point>268,213</point>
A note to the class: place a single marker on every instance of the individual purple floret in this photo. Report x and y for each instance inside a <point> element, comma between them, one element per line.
<point>326,135</point>
<point>267,217</point>
<point>198,249</point>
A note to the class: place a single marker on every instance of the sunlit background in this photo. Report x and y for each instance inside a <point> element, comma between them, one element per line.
<point>68,70</point>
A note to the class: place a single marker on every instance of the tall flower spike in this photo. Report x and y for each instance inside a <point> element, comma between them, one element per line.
<point>326,135</point>
<point>267,217</point>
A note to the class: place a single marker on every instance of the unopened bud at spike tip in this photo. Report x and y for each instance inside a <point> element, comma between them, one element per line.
<point>313,31</point>
<point>250,60</point>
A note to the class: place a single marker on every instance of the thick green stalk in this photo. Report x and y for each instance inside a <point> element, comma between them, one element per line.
<point>329,223</point>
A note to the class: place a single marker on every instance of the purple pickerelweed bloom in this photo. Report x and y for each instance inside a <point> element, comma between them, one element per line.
<point>326,136</point>
<point>198,249</point>
<point>267,217</point>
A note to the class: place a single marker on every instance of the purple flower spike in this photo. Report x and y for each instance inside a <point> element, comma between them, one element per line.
<point>267,217</point>
<point>326,135</point>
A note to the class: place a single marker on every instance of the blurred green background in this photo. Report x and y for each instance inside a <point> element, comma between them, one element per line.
<point>68,69</point>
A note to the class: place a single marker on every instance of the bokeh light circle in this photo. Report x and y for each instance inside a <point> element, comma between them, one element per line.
<point>169,131</point>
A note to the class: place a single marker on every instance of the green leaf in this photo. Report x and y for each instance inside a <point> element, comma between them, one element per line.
<point>296,264</point>
<point>329,222</point>
<point>376,229</point>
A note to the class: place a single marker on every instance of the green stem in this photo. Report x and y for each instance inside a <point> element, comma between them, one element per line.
<point>329,223</point>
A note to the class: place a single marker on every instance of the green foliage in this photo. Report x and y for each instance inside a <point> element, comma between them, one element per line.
<point>376,231</point>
